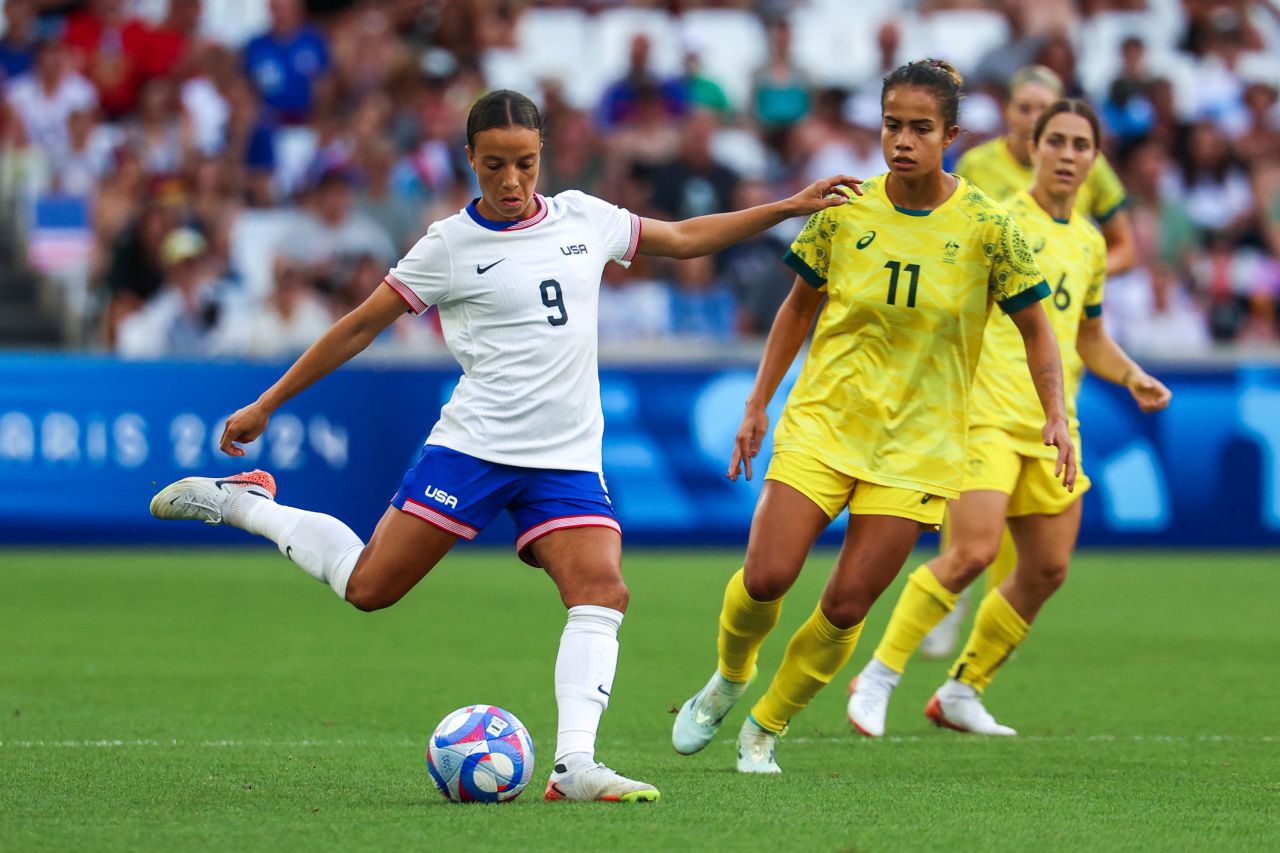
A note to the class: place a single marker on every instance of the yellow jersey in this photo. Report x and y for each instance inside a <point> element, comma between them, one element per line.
<point>883,395</point>
<point>1073,257</point>
<point>992,167</point>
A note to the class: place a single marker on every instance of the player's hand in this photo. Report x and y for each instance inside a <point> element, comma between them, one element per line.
<point>755,423</point>
<point>825,193</point>
<point>1150,393</point>
<point>243,427</point>
<point>1057,435</point>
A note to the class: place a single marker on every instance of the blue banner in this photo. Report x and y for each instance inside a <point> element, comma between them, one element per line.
<point>85,442</point>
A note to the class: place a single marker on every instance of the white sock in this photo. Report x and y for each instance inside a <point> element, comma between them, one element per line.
<point>584,679</point>
<point>319,544</point>
<point>877,671</point>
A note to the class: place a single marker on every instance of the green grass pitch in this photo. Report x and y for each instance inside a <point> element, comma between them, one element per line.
<point>221,700</point>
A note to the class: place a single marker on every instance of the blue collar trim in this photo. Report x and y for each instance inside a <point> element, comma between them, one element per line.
<point>473,211</point>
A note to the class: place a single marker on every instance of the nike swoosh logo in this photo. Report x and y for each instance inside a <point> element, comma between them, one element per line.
<point>482,270</point>
<point>600,687</point>
<point>288,552</point>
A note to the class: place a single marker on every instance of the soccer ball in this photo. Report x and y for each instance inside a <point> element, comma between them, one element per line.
<point>480,754</point>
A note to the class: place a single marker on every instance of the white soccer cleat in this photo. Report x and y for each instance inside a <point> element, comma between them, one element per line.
<point>756,748</point>
<point>869,694</point>
<point>959,707</point>
<point>940,643</point>
<point>699,718</point>
<point>597,783</point>
<point>209,499</point>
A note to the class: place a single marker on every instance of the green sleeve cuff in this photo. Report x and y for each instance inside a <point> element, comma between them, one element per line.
<point>803,270</point>
<point>1093,311</point>
<point>1104,217</point>
<point>1030,296</point>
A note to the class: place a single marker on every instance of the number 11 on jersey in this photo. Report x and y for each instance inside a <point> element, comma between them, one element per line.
<point>913,270</point>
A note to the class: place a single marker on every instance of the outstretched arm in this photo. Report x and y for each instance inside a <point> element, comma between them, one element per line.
<point>703,235</point>
<point>1046,373</point>
<point>1106,360</point>
<point>790,327</point>
<point>344,340</point>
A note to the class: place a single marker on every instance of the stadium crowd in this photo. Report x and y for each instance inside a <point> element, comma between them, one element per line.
<point>226,177</point>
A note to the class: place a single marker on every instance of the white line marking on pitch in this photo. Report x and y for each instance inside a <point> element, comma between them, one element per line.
<point>307,743</point>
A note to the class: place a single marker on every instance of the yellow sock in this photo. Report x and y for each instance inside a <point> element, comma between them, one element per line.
<point>1005,562</point>
<point>922,605</point>
<point>815,654</point>
<point>997,631</point>
<point>744,623</point>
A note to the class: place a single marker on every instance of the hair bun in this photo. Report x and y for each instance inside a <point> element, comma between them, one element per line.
<point>948,68</point>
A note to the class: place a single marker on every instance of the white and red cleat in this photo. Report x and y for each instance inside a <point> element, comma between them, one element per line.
<point>209,499</point>
<point>959,707</point>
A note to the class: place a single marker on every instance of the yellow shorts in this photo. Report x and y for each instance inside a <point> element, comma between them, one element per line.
<point>833,490</point>
<point>996,463</point>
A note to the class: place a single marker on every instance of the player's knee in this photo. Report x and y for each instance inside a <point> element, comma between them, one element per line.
<point>845,612</point>
<point>969,560</point>
<point>369,596</point>
<point>605,592</point>
<point>764,586</point>
<point>1049,576</point>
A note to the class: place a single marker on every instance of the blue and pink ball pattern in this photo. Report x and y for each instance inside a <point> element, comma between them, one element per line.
<point>480,754</point>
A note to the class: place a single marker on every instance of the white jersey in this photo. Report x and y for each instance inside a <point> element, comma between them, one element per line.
<point>518,306</point>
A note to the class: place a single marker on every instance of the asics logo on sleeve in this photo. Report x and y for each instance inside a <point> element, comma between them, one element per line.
<point>866,239</point>
<point>482,270</point>
<point>441,497</point>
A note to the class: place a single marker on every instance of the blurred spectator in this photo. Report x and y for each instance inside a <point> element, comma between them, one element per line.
<point>331,233</point>
<point>134,273</point>
<point>700,91</point>
<point>192,314</point>
<point>1164,234</point>
<point>574,160</point>
<point>1167,323</point>
<point>702,304</point>
<point>1213,186</point>
<point>694,184</point>
<point>753,268</point>
<point>108,48</point>
<point>829,143</point>
<point>1267,187</point>
<point>780,96</point>
<point>44,99</point>
<point>1261,139</point>
<point>619,101</point>
<point>1128,111</point>
<point>633,307</point>
<point>172,41</point>
<point>287,62</point>
<point>1240,289</point>
<point>648,138</point>
<point>161,132</point>
<point>1057,55</point>
<point>88,156</point>
<point>395,209</point>
<point>409,333</point>
<point>17,47</point>
<point>1219,89</point>
<point>291,319</point>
